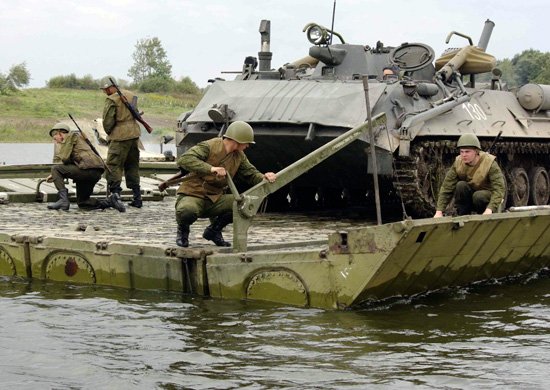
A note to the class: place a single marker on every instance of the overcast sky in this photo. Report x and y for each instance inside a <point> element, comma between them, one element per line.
<point>204,37</point>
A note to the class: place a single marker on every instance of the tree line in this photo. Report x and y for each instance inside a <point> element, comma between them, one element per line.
<point>152,72</point>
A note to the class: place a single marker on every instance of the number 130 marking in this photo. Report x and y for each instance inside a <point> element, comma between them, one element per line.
<point>474,110</point>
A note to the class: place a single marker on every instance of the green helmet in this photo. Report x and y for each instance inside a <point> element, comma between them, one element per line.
<point>60,127</point>
<point>240,132</point>
<point>468,140</point>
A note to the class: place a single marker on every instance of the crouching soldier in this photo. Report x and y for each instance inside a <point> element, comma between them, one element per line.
<point>79,163</point>
<point>202,192</point>
<point>474,180</point>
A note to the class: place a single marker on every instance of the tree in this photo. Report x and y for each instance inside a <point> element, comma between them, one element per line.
<point>18,77</point>
<point>150,60</point>
<point>528,65</point>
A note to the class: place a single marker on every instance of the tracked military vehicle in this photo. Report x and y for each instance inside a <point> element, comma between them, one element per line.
<point>428,104</point>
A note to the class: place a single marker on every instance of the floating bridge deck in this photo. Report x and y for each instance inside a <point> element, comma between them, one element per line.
<point>302,260</point>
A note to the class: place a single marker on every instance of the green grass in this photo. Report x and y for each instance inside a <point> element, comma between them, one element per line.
<point>27,115</point>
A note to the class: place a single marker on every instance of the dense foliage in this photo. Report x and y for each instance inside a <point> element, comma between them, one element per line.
<point>18,76</point>
<point>530,66</point>
<point>150,61</point>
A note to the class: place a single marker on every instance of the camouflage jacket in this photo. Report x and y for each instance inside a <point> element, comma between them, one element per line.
<point>75,150</point>
<point>485,175</point>
<point>198,160</point>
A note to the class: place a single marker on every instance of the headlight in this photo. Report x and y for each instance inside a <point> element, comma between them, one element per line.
<point>317,35</point>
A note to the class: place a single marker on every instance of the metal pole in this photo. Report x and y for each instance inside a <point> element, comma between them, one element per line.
<point>233,188</point>
<point>372,152</point>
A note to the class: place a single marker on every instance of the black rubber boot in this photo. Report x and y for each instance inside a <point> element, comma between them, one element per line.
<point>214,231</point>
<point>136,202</point>
<point>182,236</point>
<point>63,202</point>
<point>116,202</point>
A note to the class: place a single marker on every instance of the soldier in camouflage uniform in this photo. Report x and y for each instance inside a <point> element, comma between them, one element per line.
<point>202,192</point>
<point>78,162</point>
<point>475,180</point>
<point>123,155</point>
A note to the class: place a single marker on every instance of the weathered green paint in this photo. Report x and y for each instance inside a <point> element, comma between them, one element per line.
<point>353,266</point>
<point>398,259</point>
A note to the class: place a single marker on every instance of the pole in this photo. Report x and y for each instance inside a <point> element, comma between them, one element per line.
<point>372,152</point>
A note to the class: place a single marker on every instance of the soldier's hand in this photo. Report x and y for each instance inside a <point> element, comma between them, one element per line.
<point>438,214</point>
<point>219,171</point>
<point>487,211</point>
<point>270,176</point>
<point>49,179</point>
<point>162,186</point>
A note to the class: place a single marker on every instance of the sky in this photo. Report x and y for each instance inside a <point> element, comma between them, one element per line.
<point>202,38</point>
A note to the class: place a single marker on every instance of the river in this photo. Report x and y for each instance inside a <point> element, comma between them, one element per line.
<point>54,336</point>
<point>42,153</point>
<point>67,337</point>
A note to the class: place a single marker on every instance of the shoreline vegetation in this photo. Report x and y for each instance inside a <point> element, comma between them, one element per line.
<point>27,115</point>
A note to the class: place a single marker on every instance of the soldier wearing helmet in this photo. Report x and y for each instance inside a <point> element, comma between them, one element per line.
<point>77,162</point>
<point>202,192</point>
<point>474,180</point>
<point>123,153</point>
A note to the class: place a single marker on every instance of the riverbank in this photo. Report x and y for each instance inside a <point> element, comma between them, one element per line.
<point>27,116</point>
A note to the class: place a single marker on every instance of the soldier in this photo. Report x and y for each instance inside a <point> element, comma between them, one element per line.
<point>390,72</point>
<point>475,180</point>
<point>123,153</point>
<point>202,192</point>
<point>79,163</point>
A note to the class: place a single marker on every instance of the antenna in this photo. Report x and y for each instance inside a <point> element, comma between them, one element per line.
<point>332,27</point>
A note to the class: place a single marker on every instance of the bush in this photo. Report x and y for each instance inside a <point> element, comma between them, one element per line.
<point>156,84</point>
<point>73,82</point>
<point>186,86</point>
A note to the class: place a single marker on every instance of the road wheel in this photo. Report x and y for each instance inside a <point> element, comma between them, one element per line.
<point>519,187</point>
<point>539,186</point>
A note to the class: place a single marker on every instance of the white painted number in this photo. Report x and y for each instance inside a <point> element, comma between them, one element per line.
<point>474,110</point>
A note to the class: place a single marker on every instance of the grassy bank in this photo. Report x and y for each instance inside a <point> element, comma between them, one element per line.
<point>27,116</point>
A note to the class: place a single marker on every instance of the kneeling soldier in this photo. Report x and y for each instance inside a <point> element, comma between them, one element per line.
<point>79,163</point>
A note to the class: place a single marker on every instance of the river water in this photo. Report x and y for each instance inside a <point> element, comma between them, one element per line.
<point>61,337</point>
<point>42,153</point>
<point>54,336</point>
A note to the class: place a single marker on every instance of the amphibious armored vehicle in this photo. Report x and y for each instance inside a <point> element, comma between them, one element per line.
<point>428,103</point>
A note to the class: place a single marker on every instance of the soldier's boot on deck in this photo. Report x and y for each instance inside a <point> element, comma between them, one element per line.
<point>136,202</point>
<point>103,204</point>
<point>182,235</point>
<point>116,202</point>
<point>214,231</point>
<point>63,201</point>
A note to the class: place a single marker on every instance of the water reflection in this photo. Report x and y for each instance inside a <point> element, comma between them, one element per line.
<point>58,336</point>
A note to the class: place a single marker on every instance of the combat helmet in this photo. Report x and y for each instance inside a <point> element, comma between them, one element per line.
<point>468,140</point>
<point>60,126</point>
<point>240,132</point>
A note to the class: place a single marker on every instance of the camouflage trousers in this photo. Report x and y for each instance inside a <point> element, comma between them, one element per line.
<point>468,200</point>
<point>85,180</point>
<point>190,208</point>
<point>123,156</point>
